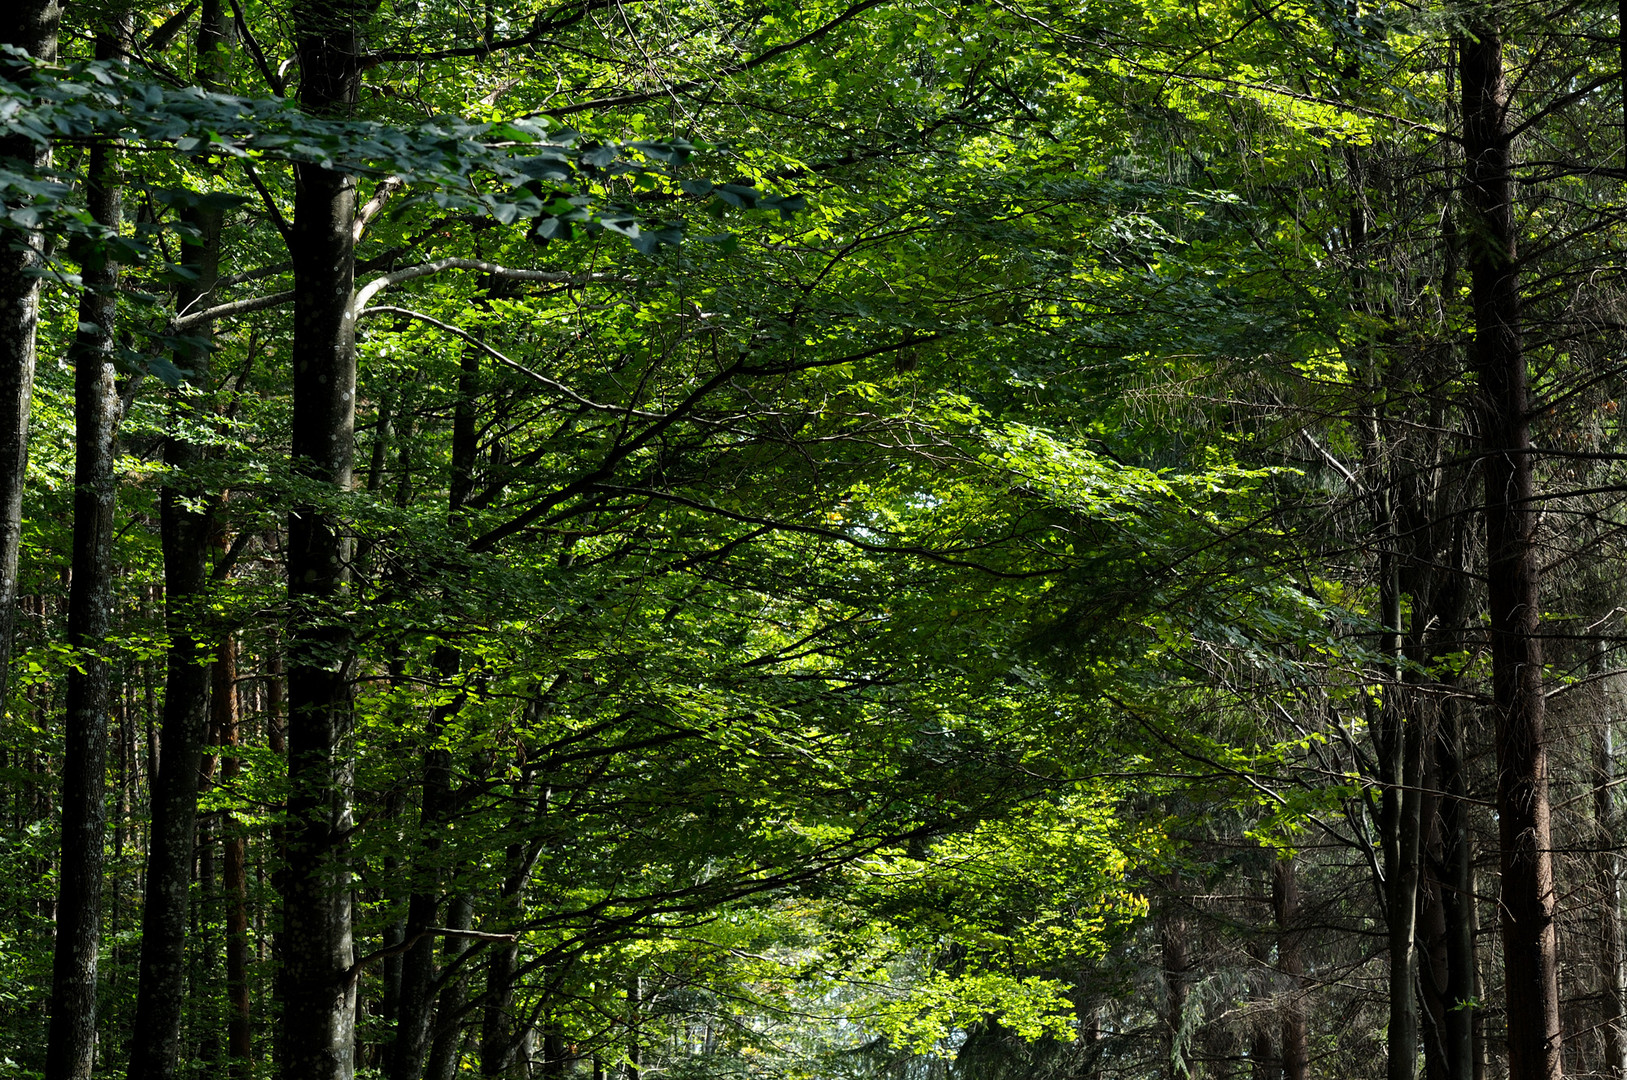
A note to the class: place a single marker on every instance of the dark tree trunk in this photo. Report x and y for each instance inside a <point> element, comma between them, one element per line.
<point>1445,913</point>
<point>30,25</point>
<point>184,531</point>
<point>239,1010</point>
<point>635,1018</point>
<point>1512,570</point>
<point>446,1051</point>
<point>71,1044</point>
<point>1173,939</point>
<point>318,987</point>
<point>415,1018</point>
<point>500,1035</point>
<point>1607,875</point>
<point>1291,961</point>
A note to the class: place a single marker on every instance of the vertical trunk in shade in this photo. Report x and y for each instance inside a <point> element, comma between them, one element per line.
<point>415,1020</point>
<point>318,989</point>
<point>239,1012</point>
<point>32,27</point>
<point>1291,962</point>
<point>1527,896</point>
<point>1607,875</point>
<point>71,1043</point>
<point>184,529</point>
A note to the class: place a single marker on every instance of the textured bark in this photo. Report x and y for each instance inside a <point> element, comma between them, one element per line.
<point>71,1043</point>
<point>1291,962</point>
<point>1527,896</point>
<point>30,25</point>
<point>184,532</point>
<point>318,988</point>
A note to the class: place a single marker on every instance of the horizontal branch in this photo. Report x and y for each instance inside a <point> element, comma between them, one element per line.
<point>355,970</point>
<point>510,273</point>
<point>226,311</point>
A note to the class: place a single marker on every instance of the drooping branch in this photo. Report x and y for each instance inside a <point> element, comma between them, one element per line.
<point>552,385</point>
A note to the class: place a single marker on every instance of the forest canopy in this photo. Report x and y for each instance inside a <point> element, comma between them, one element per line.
<point>877,540</point>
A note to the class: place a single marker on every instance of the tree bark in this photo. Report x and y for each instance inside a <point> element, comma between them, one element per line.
<point>446,1051</point>
<point>71,1043</point>
<point>317,987</point>
<point>239,1009</point>
<point>184,533</point>
<point>415,1022</point>
<point>1172,932</point>
<point>1512,569</point>
<point>31,25</point>
<point>1291,962</point>
<point>1607,875</point>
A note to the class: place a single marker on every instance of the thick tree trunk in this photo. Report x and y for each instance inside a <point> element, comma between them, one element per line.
<point>1512,569</point>
<point>318,986</point>
<point>30,25</point>
<point>319,1001</point>
<point>71,1045</point>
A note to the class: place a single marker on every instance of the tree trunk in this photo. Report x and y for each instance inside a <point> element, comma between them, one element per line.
<point>1607,874</point>
<point>1291,960</point>
<point>239,1010</point>
<point>415,1021</point>
<point>71,1045</point>
<point>1172,932</point>
<point>1449,982</point>
<point>446,1051</point>
<point>318,986</point>
<point>184,533</point>
<point>31,26</point>
<point>1512,568</point>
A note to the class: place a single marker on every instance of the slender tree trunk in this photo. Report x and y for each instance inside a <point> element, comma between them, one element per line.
<point>446,1051</point>
<point>1172,932</point>
<point>31,26</point>
<point>635,1017</point>
<point>1291,961</point>
<point>184,533</point>
<point>500,1036</point>
<point>71,1045</point>
<point>416,1001</point>
<point>1512,568</point>
<point>1607,874</point>
<point>1455,889</point>
<point>239,1009</point>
